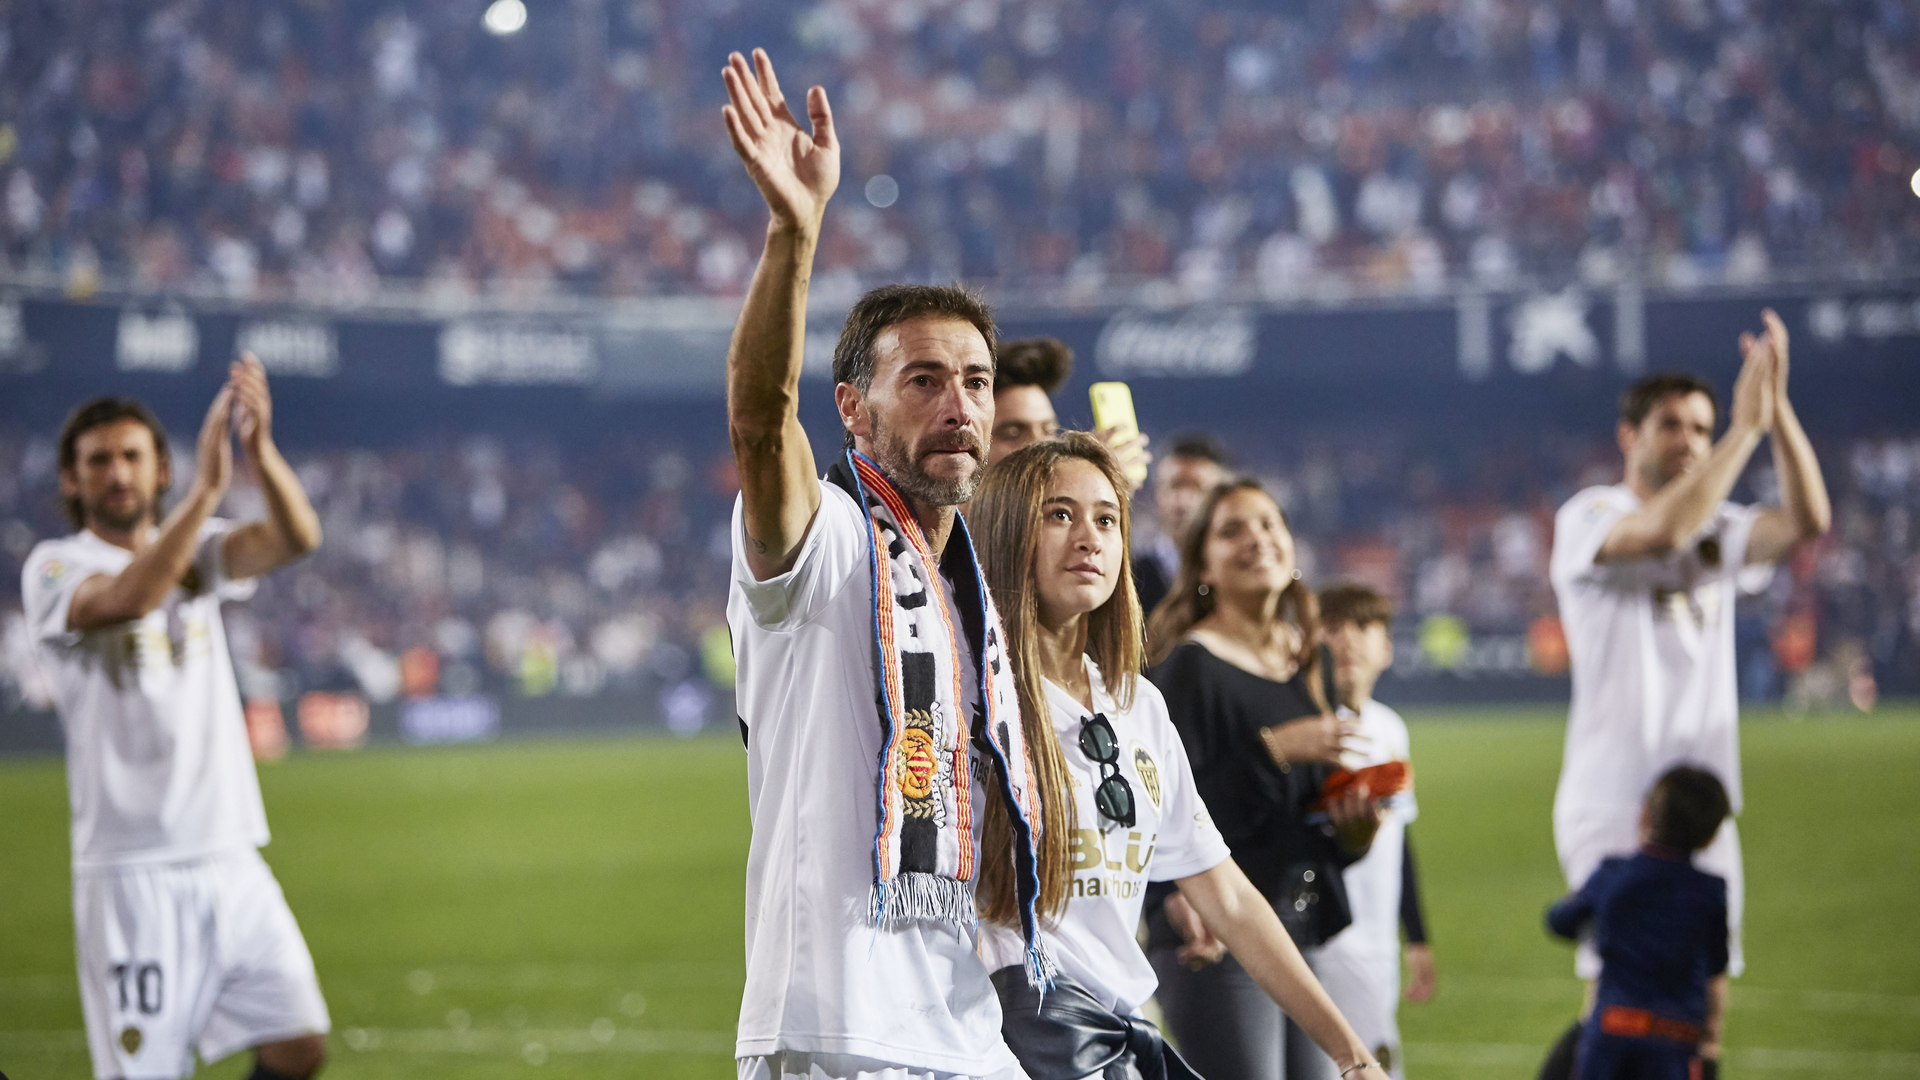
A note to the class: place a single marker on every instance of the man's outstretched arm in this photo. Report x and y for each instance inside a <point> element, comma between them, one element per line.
<point>796,173</point>
<point>1804,512</point>
<point>1681,508</point>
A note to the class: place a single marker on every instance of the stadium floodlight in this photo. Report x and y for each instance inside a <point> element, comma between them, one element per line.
<point>883,191</point>
<point>1915,182</point>
<point>504,17</point>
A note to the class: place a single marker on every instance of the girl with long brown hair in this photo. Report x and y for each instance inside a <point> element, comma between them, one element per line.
<point>1237,657</point>
<point>1052,526</point>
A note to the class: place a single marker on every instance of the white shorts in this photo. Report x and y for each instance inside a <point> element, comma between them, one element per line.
<point>1585,839</point>
<point>806,1065</point>
<point>183,957</point>
<point>1365,987</point>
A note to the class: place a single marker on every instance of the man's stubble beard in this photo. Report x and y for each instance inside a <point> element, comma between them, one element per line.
<point>141,514</point>
<point>1655,475</point>
<point>897,461</point>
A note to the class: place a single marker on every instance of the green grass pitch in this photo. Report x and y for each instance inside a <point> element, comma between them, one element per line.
<point>573,909</point>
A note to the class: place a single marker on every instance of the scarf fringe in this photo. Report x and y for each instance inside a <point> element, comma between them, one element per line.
<point>915,896</point>
<point>1041,968</point>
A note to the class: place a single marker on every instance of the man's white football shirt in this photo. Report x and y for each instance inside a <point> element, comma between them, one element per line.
<point>1172,837</point>
<point>1651,642</point>
<point>820,977</point>
<point>158,764</point>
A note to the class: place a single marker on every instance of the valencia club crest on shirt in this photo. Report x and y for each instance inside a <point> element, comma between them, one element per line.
<point>1149,773</point>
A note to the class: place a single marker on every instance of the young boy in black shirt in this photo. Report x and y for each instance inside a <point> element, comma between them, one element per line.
<point>1660,927</point>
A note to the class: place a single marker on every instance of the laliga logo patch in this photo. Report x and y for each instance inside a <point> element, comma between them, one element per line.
<point>1149,773</point>
<point>130,1040</point>
<point>51,574</point>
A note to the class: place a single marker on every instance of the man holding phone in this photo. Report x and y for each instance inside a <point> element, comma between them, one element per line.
<point>1026,374</point>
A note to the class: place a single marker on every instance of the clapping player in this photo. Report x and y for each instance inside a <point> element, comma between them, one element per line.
<point>1646,573</point>
<point>1025,375</point>
<point>185,942</point>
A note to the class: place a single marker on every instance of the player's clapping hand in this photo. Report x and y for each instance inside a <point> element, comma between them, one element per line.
<point>1754,391</point>
<point>795,171</point>
<point>1313,739</point>
<point>1776,336</point>
<point>247,378</point>
<point>213,463</point>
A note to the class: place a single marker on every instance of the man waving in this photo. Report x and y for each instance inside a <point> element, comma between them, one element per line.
<point>887,777</point>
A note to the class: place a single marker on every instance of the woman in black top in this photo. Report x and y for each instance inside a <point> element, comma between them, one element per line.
<point>1239,665</point>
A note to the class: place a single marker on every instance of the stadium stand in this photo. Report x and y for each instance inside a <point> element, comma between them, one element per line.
<point>328,152</point>
<point>521,568</point>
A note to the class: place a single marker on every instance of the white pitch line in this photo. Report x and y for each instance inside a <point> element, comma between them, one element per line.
<point>531,1042</point>
<point>1894,1062</point>
<point>1744,998</point>
<point>552,1040</point>
<point>449,1041</point>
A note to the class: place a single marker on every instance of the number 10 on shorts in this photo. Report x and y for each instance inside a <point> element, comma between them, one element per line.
<point>141,986</point>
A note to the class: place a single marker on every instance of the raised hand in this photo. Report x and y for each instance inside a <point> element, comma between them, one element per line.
<point>1754,390</point>
<point>248,379</point>
<point>795,171</point>
<point>1776,334</point>
<point>215,449</point>
<point>1130,451</point>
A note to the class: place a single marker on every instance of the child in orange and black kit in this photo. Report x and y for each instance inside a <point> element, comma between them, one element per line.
<point>1660,926</point>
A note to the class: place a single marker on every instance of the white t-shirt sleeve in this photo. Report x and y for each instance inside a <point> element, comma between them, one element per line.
<point>1736,530</point>
<point>1580,530</point>
<point>210,561</point>
<point>832,550</point>
<point>1188,843</point>
<point>52,574</point>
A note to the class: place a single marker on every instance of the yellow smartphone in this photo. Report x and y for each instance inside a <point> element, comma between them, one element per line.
<point>1113,408</point>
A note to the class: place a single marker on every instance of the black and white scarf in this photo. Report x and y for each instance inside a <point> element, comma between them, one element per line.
<point>923,851</point>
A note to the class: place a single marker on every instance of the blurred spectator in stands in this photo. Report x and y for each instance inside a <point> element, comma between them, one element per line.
<point>1196,150</point>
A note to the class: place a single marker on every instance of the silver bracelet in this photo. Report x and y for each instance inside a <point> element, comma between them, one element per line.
<point>1358,1065</point>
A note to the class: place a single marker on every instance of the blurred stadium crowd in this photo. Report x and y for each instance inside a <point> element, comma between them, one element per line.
<point>282,149</point>
<point>516,568</point>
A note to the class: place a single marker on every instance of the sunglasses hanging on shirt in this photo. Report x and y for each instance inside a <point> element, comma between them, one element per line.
<point>1114,796</point>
